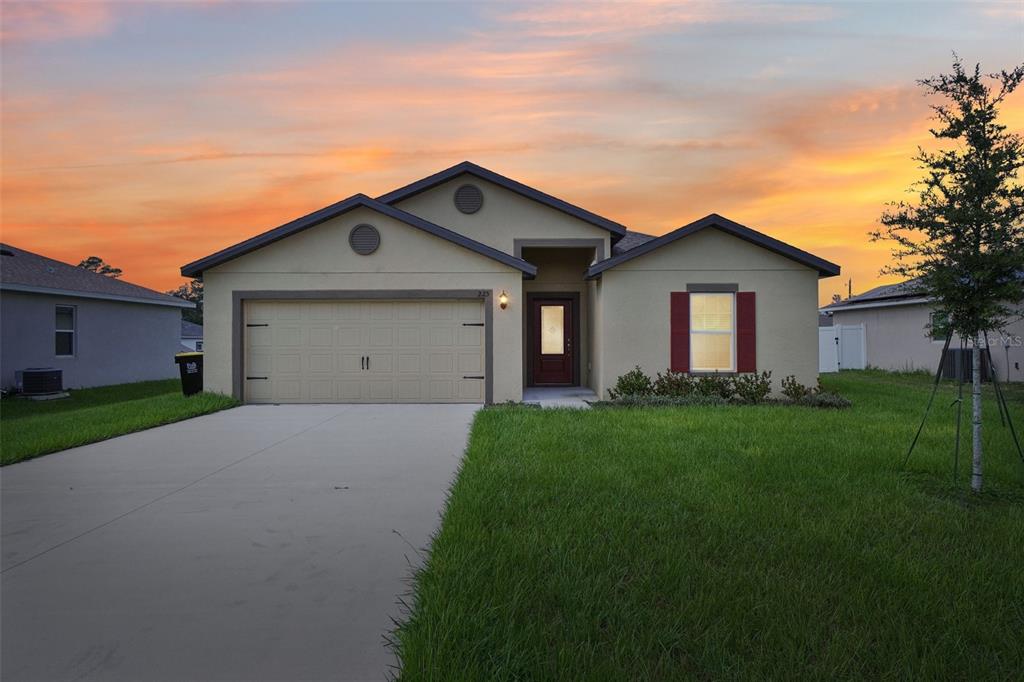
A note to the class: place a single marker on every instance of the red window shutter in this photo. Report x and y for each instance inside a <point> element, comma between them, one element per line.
<point>680,325</point>
<point>746,334</point>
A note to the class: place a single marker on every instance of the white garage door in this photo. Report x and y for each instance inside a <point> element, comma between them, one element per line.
<point>416,351</point>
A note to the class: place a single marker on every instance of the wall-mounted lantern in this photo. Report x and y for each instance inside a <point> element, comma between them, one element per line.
<point>503,300</point>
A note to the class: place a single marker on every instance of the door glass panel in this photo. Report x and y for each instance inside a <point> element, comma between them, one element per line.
<point>552,330</point>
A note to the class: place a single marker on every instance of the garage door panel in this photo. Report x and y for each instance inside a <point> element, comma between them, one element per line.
<point>321,363</point>
<point>350,363</point>
<point>364,351</point>
<point>350,337</point>
<point>381,336</point>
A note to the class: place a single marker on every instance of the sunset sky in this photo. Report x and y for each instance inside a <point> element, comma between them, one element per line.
<point>152,134</point>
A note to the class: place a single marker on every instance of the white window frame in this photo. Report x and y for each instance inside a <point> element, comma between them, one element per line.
<point>731,333</point>
<point>73,331</point>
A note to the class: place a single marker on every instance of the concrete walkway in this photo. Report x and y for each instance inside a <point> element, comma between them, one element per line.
<point>260,543</point>
<point>559,396</point>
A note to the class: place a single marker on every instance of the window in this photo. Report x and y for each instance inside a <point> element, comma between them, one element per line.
<point>552,330</point>
<point>199,345</point>
<point>712,332</point>
<point>65,330</point>
<point>938,326</point>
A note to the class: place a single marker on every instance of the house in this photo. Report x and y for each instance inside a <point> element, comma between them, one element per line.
<point>191,336</point>
<point>902,331</point>
<point>467,286</point>
<point>97,329</point>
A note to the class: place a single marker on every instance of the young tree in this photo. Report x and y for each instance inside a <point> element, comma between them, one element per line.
<point>963,239</point>
<point>193,291</point>
<point>100,266</point>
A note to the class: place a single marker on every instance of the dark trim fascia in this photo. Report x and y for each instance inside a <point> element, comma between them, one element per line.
<point>436,179</point>
<point>238,299</point>
<point>577,355</point>
<point>712,288</point>
<point>824,267</point>
<point>597,244</point>
<point>196,268</point>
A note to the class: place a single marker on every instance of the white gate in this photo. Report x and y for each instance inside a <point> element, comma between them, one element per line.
<point>828,350</point>
<point>841,346</point>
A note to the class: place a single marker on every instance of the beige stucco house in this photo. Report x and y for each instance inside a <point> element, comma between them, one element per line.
<point>467,286</point>
<point>902,332</point>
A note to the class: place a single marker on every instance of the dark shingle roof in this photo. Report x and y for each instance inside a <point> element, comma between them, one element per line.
<point>196,268</point>
<point>22,270</point>
<point>886,292</point>
<point>191,330</point>
<point>467,167</point>
<point>715,221</point>
<point>631,240</point>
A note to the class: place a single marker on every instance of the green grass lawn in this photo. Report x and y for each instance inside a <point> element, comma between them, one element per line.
<point>31,428</point>
<point>726,543</point>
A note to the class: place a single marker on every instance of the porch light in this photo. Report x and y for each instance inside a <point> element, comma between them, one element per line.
<point>503,300</point>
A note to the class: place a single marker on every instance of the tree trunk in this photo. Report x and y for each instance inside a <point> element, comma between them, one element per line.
<point>976,478</point>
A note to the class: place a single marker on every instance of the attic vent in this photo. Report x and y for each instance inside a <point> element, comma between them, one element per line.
<point>364,239</point>
<point>469,199</point>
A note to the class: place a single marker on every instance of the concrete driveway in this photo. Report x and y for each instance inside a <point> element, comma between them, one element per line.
<point>260,543</point>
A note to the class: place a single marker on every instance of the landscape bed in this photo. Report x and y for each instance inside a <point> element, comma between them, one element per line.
<point>30,428</point>
<point>727,542</point>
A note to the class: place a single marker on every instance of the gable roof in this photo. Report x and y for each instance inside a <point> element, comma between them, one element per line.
<point>191,330</point>
<point>28,272</point>
<point>196,268</point>
<point>824,267</point>
<point>508,183</point>
<point>901,293</point>
<point>630,241</point>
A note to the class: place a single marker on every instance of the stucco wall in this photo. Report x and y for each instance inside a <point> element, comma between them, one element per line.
<point>320,259</point>
<point>562,270</point>
<point>896,338</point>
<point>116,342</point>
<point>504,217</point>
<point>634,318</point>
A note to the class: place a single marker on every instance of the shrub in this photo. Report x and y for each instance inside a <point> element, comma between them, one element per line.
<point>633,382</point>
<point>673,384</point>
<point>753,388</point>
<point>794,390</point>
<point>826,400</point>
<point>714,385</point>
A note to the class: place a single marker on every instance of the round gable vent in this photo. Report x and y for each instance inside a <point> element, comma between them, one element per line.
<point>469,198</point>
<point>364,239</point>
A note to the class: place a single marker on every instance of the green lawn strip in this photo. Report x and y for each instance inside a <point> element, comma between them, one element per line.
<point>29,429</point>
<point>726,542</point>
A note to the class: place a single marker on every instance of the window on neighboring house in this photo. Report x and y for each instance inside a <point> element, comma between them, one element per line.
<point>712,332</point>
<point>938,326</point>
<point>199,345</point>
<point>65,331</point>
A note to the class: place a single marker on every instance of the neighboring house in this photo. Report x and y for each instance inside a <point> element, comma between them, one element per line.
<point>191,335</point>
<point>467,286</point>
<point>903,332</point>
<point>98,330</point>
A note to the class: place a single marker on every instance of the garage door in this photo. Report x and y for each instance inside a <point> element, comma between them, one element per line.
<point>418,351</point>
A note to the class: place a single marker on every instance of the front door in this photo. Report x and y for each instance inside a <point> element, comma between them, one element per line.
<point>553,343</point>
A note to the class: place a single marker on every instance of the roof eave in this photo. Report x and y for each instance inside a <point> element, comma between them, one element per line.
<point>196,268</point>
<point>824,267</point>
<point>431,181</point>
<point>74,293</point>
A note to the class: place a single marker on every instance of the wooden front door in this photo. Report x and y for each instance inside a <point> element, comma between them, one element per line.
<point>553,341</point>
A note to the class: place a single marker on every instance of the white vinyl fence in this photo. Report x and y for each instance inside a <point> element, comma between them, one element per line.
<point>841,346</point>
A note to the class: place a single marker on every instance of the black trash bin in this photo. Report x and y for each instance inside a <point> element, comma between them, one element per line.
<point>191,366</point>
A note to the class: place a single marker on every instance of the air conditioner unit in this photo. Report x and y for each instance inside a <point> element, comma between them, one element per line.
<point>39,380</point>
